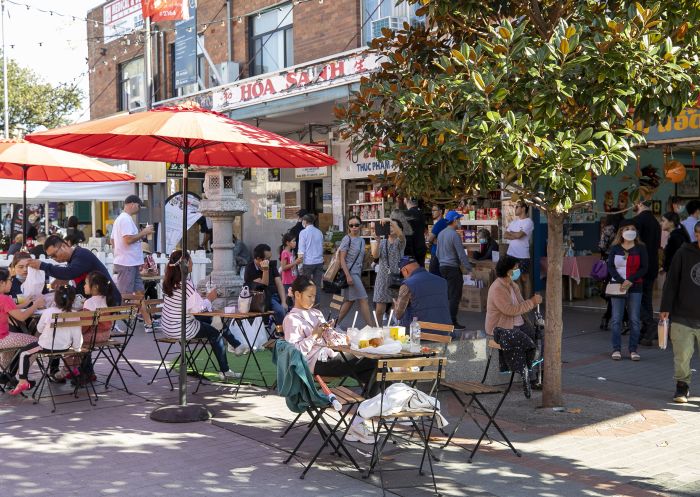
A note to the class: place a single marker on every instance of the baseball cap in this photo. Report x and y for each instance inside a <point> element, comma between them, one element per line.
<point>133,199</point>
<point>406,260</point>
<point>452,216</point>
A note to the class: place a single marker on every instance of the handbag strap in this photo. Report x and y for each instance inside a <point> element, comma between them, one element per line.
<point>358,253</point>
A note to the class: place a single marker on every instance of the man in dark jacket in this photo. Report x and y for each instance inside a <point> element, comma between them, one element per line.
<point>649,231</point>
<point>79,263</point>
<point>680,303</point>
<point>415,242</point>
<point>422,295</point>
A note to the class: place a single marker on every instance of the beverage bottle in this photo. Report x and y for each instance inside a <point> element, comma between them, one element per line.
<point>415,335</point>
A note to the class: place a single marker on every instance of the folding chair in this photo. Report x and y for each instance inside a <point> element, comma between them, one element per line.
<point>5,370</point>
<point>410,371</point>
<point>474,390</point>
<point>127,335</point>
<point>116,343</point>
<point>302,396</point>
<point>61,322</point>
<point>335,305</point>
<point>164,346</point>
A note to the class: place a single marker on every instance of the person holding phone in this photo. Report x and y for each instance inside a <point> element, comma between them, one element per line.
<point>388,251</point>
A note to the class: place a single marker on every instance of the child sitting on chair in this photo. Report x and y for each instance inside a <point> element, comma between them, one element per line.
<point>50,339</point>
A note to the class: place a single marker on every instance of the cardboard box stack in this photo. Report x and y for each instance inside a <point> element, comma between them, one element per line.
<point>475,290</point>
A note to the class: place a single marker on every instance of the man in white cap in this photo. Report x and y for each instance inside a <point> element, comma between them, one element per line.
<point>128,255</point>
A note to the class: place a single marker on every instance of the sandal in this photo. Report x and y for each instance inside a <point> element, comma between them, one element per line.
<point>616,356</point>
<point>634,356</point>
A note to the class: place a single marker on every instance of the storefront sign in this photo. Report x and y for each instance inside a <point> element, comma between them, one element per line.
<point>685,126</point>
<point>311,172</point>
<point>121,17</point>
<point>296,80</point>
<point>186,49</point>
<point>165,10</point>
<point>174,171</point>
<point>354,166</point>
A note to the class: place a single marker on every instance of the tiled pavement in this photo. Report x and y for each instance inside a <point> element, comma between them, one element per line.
<point>621,436</point>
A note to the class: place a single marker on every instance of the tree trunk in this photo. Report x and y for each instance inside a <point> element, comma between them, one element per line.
<point>551,388</point>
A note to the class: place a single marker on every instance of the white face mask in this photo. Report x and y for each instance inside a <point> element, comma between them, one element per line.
<point>629,235</point>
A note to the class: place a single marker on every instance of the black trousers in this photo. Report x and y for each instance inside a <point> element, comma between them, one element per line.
<point>434,265</point>
<point>647,311</point>
<point>360,368</point>
<point>453,275</point>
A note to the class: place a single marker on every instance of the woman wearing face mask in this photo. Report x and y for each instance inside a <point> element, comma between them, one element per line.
<point>505,305</point>
<point>627,265</point>
<point>487,246</point>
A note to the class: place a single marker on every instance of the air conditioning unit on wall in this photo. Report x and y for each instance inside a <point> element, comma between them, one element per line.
<point>393,23</point>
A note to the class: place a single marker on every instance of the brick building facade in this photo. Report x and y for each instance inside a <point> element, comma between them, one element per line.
<point>319,29</point>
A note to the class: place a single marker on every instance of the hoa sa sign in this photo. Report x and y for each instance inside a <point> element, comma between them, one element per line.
<point>296,80</point>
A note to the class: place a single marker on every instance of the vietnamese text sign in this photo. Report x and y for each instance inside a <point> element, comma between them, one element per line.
<point>684,126</point>
<point>310,172</point>
<point>174,171</point>
<point>121,17</point>
<point>360,166</point>
<point>296,80</point>
<point>186,49</point>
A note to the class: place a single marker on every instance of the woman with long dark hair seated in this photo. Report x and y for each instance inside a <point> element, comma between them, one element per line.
<point>195,326</point>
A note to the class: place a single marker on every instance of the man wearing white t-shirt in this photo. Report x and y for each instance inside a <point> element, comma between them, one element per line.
<point>519,233</point>
<point>128,255</point>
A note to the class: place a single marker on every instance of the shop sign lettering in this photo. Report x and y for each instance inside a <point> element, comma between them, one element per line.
<point>121,17</point>
<point>295,80</point>
<point>685,125</point>
<point>354,166</point>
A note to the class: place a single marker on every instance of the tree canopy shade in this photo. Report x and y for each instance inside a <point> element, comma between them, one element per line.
<point>534,95</point>
<point>33,102</point>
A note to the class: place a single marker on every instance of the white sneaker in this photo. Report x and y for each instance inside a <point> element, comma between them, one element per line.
<point>147,328</point>
<point>119,327</point>
<point>240,350</point>
<point>360,433</point>
<point>229,375</point>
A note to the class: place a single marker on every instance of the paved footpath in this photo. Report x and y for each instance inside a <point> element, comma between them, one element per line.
<point>620,436</point>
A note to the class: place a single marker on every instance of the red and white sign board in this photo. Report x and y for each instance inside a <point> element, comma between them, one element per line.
<point>121,17</point>
<point>166,10</point>
<point>295,80</point>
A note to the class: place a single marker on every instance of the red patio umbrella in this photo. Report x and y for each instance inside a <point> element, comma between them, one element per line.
<point>23,161</point>
<point>187,135</point>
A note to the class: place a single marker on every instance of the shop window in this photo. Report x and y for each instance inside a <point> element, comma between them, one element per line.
<point>378,14</point>
<point>132,85</point>
<point>271,41</point>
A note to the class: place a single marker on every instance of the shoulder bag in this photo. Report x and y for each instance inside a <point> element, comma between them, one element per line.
<point>395,279</point>
<point>339,281</point>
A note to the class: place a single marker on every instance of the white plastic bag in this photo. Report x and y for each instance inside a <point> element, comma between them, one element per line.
<point>34,284</point>
<point>249,329</point>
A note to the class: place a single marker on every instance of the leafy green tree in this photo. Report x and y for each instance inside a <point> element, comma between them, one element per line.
<point>535,96</point>
<point>33,102</point>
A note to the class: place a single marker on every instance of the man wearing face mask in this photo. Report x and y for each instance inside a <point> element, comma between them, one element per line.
<point>649,233</point>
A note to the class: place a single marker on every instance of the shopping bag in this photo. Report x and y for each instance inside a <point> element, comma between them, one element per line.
<point>249,329</point>
<point>662,331</point>
<point>244,299</point>
<point>34,283</point>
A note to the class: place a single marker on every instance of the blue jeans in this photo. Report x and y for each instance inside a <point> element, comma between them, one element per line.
<point>633,302</point>
<point>276,307</point>
<point>216,341</point>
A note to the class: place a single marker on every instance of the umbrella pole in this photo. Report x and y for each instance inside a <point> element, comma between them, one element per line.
<point>183,412</point>
<point>24,205</point>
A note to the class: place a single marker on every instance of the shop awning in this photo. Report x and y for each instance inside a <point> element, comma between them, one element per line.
<point>43,191</point>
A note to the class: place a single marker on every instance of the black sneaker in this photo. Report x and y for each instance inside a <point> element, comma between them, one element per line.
<point>459,327</point>
<point>682,392</point>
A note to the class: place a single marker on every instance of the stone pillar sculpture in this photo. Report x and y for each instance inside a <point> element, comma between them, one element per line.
<point>222,202</point>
